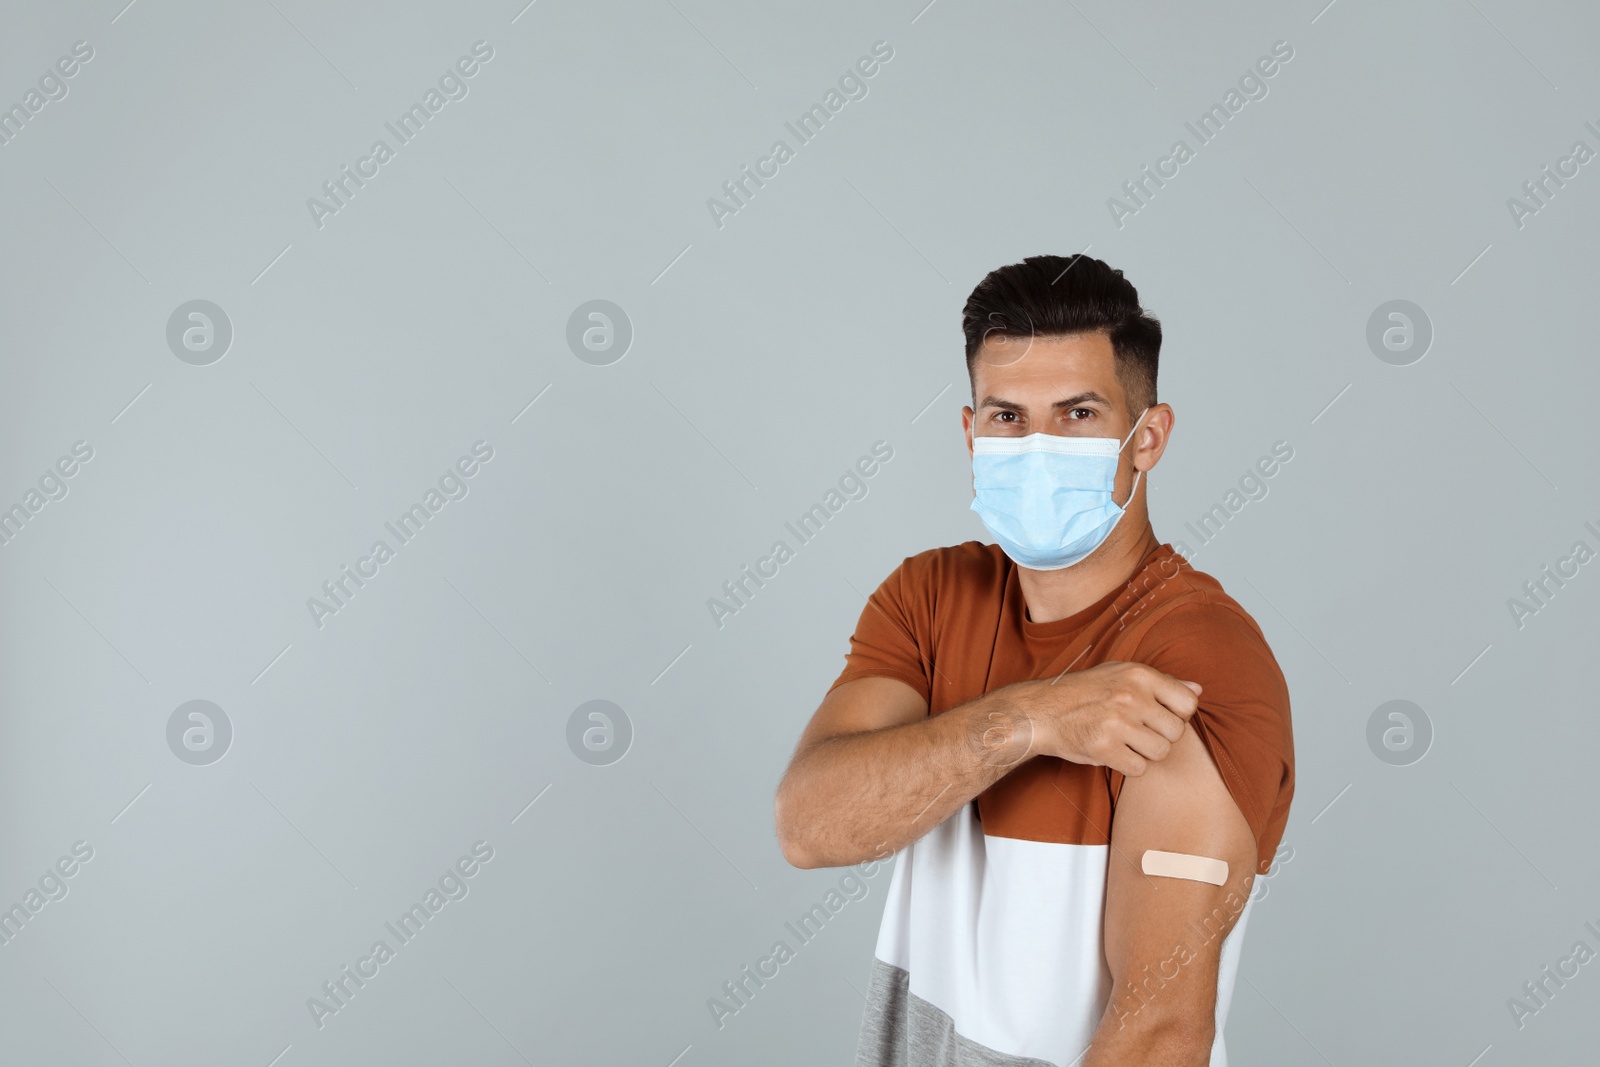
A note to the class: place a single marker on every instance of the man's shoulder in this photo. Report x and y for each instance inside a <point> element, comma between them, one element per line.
<point>968,560</point>
<point>1172,600</point>
<point>968,565</point>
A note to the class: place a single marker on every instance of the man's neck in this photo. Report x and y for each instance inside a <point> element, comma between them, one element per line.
<point>1052,595</point>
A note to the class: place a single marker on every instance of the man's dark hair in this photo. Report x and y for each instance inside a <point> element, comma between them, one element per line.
<point>1046,296</point>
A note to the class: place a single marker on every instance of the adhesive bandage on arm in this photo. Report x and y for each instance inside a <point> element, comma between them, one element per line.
<point>1182,865</point>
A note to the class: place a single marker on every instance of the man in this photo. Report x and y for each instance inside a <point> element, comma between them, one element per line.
<point>1023,722</point>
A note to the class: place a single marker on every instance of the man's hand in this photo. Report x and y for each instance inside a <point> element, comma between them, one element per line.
<point>1118,715</point>
<point>873,772</point>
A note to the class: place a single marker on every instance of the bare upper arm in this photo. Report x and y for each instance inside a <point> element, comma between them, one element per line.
<point>1163,936</point>
<point>862,704</point>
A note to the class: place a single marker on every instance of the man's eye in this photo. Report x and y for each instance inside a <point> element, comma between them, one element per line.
<point>1082,413</point>
<point>1006,415</point>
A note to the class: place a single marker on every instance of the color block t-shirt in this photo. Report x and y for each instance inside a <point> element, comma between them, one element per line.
<point>991,950</point>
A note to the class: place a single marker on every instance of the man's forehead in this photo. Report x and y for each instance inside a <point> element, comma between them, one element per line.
<point>1070,363</point>
<point>1005,347</point>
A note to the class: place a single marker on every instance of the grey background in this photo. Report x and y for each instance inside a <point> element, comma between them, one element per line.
<point>768,355</point>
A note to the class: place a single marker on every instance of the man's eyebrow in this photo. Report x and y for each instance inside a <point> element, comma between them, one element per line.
<point>1070,402</point>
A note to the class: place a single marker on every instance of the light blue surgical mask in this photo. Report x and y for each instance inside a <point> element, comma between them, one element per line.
<point>1047,499</point>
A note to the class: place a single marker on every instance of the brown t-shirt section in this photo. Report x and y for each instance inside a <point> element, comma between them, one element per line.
<point>951,623</point>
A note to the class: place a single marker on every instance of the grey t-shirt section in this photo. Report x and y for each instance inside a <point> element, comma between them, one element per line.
<point>900,1029</point>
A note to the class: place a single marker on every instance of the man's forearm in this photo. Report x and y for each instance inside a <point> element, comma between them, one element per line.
<point>867,795</point>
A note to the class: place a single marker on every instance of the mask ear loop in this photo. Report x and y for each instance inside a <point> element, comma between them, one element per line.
<point>1133,431</point>
<point>1136,474</point>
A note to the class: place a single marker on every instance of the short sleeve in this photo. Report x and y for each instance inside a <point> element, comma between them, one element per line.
<point>1243,717</point>
<point>892,638</point>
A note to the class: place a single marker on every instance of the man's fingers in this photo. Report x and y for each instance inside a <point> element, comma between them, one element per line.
<point>1129,762</point>
<point>1165,723</point>
<point>1181,698</point>
<point>1150,744</point>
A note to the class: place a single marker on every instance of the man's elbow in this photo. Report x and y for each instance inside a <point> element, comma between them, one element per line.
<point>798,858</point>
<point>1181,1037</point>
<point>1182,1042</point>
<point>795,852</point>
<point>791,840</point>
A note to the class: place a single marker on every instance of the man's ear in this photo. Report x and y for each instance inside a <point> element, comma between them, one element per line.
<point>1150,439</point>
